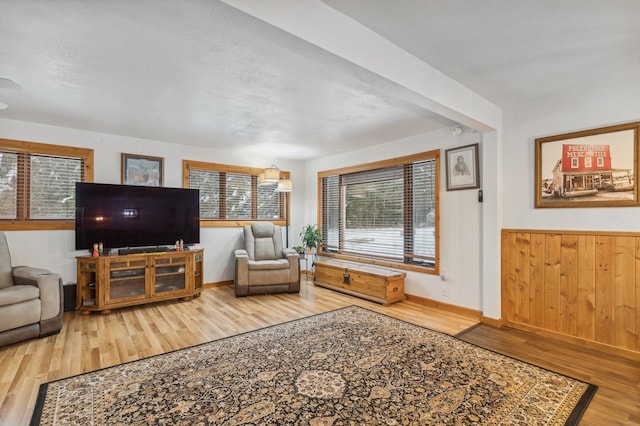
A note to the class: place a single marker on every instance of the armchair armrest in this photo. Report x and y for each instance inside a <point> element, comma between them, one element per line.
<point>49,284</point>
<point>242,268</point>
<point>27,275</point>
<point>289,252</point>
<point>241,252</point>
<point>294,263</point>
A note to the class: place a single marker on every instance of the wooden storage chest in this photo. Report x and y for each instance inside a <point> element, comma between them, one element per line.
<point>378,284</point>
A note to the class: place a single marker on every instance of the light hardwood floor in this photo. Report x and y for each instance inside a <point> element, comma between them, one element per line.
<point>96,341</point>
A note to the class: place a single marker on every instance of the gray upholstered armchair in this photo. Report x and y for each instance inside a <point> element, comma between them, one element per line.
<point>264,266</point>
<point>31,300</point>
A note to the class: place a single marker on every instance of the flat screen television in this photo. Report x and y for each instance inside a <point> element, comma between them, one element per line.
<point>123,216</point>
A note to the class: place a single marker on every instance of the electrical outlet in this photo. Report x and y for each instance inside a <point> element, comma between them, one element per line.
<point>445,290</point>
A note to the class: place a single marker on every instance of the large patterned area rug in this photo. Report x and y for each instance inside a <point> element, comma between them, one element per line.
<point>350,366</point>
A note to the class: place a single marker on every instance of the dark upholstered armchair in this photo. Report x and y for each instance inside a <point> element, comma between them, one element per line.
<point>31,300</point>
<point>264,266</point>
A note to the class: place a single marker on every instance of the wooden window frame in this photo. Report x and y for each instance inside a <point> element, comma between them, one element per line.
<point>22,222</point>
<point>188,165</point>
<point>429,155</point>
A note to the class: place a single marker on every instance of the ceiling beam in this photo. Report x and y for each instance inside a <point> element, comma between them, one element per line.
<point>323,26</point>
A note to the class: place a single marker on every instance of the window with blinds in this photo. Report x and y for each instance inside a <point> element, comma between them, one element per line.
<point>383,211</point>
<point>37,184</point>
<point>232,195</point>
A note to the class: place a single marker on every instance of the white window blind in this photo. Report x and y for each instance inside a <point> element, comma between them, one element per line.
<point>268,201</point>
<point>52,186</point>
<point>384,213</point>
<point>420,246</point>
<point>8,185</point>
<point>209,185</point>
<point>374,213</point>
<point>238,199</point>
<point>38,187</point>
<point>331,213</point>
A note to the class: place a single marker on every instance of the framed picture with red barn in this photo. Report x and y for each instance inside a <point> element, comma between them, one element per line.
<point>590,168</point>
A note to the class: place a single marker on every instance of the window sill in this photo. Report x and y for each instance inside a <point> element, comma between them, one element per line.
<point>236,223</point>
<point>402,266</point>
<point>36,225</point>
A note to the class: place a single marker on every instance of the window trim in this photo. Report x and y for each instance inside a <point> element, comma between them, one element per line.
<point>188,165</point>
<point>25,147</point>
<point>429,155</point>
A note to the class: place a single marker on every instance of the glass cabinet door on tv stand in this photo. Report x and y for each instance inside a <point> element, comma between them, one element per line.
<point>108,282</point>
<point>170,274</point>
<point>125,279</point>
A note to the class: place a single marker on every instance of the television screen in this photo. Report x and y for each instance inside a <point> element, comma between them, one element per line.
<point>135,216</point>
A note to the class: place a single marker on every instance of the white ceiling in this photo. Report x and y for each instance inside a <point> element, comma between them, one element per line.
<point>201,72</point>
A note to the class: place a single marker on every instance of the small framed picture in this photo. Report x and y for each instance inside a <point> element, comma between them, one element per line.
<point>463,167</point>
<point>142,170</point>
<point>590,168</point>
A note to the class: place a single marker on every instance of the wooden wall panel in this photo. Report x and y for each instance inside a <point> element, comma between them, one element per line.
<point>604,289</point>
<point>508,273</point>
<point>579,284</point>
<point>624,296</point>
<point>522,277</point>
<point>536,280</point>
<point>637,291</point>
<point>551,280</point>
<point>586,307</point>
<point>568,293</point>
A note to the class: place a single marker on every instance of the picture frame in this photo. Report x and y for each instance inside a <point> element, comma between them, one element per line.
<point>462,167</point>
<point>590,168</point>
<point>142,170</point>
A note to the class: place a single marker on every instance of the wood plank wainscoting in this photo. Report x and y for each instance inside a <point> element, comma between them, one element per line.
<point>582,286</point>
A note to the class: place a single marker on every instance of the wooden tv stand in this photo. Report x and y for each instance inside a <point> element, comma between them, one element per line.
<point>115,281</point>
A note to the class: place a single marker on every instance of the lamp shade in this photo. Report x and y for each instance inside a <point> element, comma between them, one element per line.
<point>271,174</point>
<point>285,185</point>
<point>261,180</point>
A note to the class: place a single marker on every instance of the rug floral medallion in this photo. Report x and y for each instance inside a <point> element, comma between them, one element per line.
<point>351,366</point>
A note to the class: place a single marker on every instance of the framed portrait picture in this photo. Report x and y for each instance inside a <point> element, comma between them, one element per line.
<point>591,168</point>
<point>142,170</point>
<point>463,167</point>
